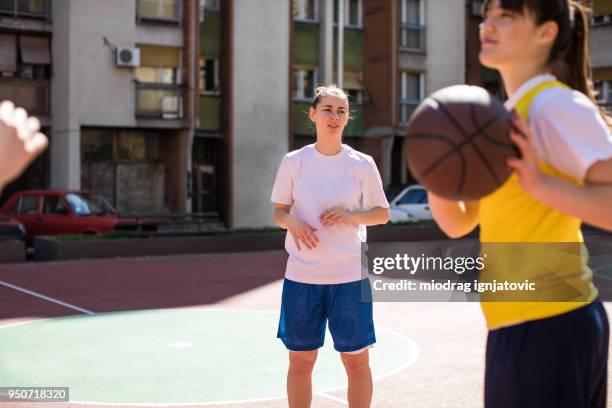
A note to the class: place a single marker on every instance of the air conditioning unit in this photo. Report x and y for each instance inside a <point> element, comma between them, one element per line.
<point>128,57</point>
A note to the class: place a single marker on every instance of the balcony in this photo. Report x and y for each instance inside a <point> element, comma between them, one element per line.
<point>159,11</point>
<point>210,113</point>
<point>31,94</point>
<point>159,101</point>
<point>413,38</point>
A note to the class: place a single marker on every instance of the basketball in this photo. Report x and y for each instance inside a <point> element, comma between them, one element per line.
<point>457,143</point>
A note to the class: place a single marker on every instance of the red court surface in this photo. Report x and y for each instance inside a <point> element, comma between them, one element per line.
<point>450,336</point>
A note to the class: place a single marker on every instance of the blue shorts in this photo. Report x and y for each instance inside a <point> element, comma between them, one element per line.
<point>560,362</point>
<point>306,308</point>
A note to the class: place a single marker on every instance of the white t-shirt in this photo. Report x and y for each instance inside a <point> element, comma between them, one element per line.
<point>311,183</point>
<point>569,132</point>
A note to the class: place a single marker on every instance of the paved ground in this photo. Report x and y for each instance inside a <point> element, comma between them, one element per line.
<point>448,371</point>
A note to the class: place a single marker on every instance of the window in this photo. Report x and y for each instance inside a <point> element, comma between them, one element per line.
<point>476,8</point>
<point>416,196</point>
<point>602,19</point>
<point>353,85</point>
<point>158,91</point>
<point>212,5</point>
<point>153,75</point>
<point>81,205</point>
<point>304,81</point>
<point>411,93</point>
<point>126,166</point>
<point>25,8</point>
<point>25,56</point>
<point>54,205</point>
<point>209,76</point>
<point>353,13</point>
<point>25,70</point>
<point>161,10</point>
<point>27,205</point>
<point>412,36</point>
<point>306,10</point>
<point>603,92</point>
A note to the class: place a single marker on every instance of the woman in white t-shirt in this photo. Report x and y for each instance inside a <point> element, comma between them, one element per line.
<point>325,195</point>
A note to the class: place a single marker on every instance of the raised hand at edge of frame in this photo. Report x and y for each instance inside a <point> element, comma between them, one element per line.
<point>20,141</point>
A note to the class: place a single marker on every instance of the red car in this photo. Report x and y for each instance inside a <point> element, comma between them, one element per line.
<point>54,212</point>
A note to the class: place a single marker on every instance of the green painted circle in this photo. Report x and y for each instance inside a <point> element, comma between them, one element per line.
<point>171,356</point>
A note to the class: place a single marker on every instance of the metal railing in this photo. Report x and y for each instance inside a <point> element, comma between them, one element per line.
<point>31,94</point>
<point>26,8</point>
<point>161,101</point>
<point>171,224</point>
<point>412,37</point>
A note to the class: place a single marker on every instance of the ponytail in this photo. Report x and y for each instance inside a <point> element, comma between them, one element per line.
<point>569,55</point>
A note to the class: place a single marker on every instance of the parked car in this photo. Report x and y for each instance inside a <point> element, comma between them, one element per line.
<point>11,229</point>
<point>410,205</point>
<point>54,212</point>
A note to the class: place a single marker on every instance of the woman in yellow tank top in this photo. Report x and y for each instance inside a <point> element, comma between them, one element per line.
<point>551,353</point>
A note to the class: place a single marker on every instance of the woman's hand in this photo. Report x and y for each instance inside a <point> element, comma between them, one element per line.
<point>20,141</point>
<point>301,232</point>
<point>336,215</point>
<point>532,179</point>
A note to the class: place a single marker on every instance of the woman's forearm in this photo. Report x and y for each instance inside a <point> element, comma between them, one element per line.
<point>375,216</point>
<point>591,203</point>
<point>455,218</point>
<point>280,217</point>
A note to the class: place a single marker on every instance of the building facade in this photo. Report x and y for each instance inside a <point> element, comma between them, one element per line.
<point>601,52</point>
<point>189,105</point>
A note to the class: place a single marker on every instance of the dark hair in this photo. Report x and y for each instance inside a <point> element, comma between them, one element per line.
<point>569,55</point>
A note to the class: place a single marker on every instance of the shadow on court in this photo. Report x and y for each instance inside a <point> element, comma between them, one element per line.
<point>134,284</point>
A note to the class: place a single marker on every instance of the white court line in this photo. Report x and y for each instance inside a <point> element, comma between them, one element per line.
<point>47,298</point>
<point>331,397</point>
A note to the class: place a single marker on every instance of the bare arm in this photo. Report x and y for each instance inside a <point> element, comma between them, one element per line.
<point>590,202</point>
<point>374,216</point>
<point>455,218</point>
<point>299,230</point>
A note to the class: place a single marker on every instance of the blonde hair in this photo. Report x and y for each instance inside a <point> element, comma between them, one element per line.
<point>328,90</point>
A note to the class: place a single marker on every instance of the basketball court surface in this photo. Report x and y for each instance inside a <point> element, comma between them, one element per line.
<point>201,331</point>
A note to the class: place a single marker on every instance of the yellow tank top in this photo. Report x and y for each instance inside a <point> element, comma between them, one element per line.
<point>510,215</point>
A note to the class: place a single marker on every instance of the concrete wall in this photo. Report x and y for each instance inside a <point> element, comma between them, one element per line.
<point>88,88</point>
<point>260,105</point>
<point>445,44</point>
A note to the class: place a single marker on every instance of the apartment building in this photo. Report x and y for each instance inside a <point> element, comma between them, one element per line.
<point>189,105</point>
<point>112,82</point>
<point>395,53</point>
